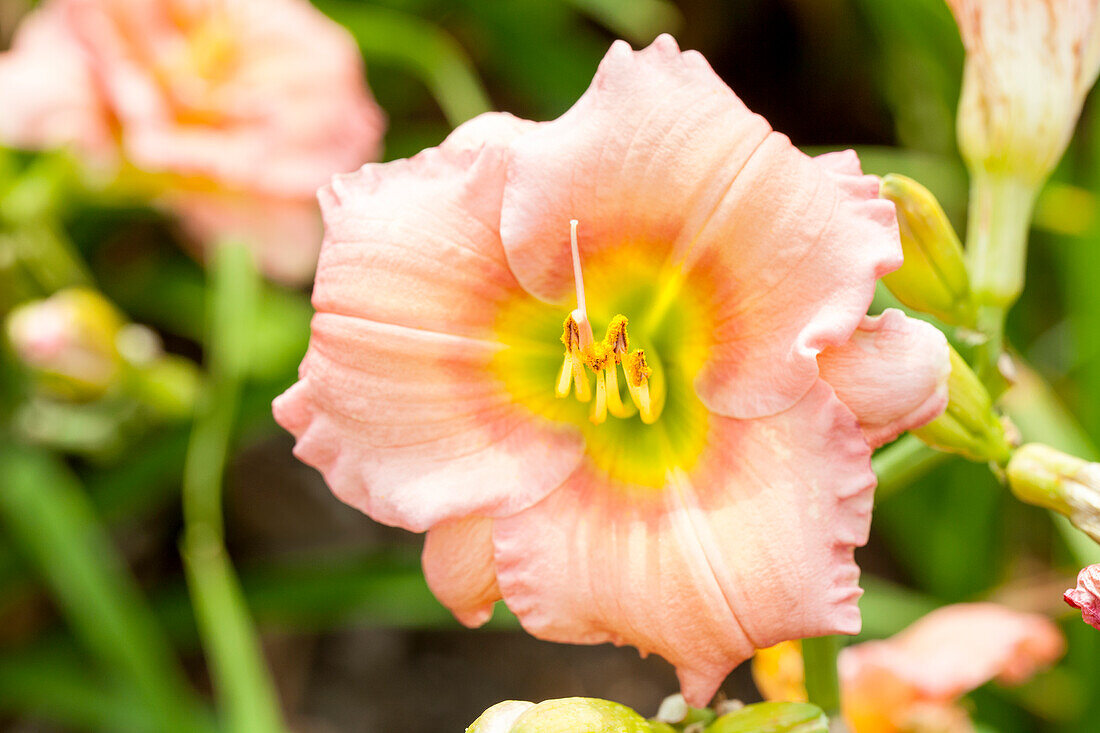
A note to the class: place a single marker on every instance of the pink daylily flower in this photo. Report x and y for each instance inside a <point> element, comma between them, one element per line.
<point>1086,596</point>
<point>703,496</point>
<point>915,677</point>
<point>912,681</point>
<point>231,114</point>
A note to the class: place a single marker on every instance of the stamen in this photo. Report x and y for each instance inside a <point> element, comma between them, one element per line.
<point>599,358</point>
<point>637,381</point>
<point>616,338</point>
<point>604,358</point>
<point>572,368</point>
<point>614,402</point>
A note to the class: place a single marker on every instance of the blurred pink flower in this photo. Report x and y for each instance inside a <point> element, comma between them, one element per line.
<point>912,681</point>
<point>231,112</point>
<point>1086,596</point>
<point>716,514</point>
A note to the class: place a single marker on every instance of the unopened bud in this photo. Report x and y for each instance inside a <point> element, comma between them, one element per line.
<point>1086,596</point>
<point>590,715</point>
<point>933,278</point>
<point>501,717</point>
<point>969,426</point>
<point>1041,475</point>
<point>773,717</point>
<point>68,341</point>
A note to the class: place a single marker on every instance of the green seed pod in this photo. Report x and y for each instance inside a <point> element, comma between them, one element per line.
<point>580,715</point>
<point>773,717</point>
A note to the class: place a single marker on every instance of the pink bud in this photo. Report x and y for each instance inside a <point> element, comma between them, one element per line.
<point>1086,595</point>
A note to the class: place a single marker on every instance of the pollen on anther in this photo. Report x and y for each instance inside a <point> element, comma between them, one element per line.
<point>637,371</point>
<point>616,339</point>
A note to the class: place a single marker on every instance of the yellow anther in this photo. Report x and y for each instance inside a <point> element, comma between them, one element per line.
<point>636,368</point>
<point>572,368</point>
<point>616,339</point>
<point>637,381</point>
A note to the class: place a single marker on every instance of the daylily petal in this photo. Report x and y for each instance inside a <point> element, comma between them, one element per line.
<point>254,138</point>
<point>458,565</point>
<point>414,242</point>
<point>812,238</point>
<point>640,159</point>
<point>892,374</point>
<point>284,235</point>
<point>1086,595</point>
<point>398,404</point>
<point>661,157</point>
<point>49,96</point>
<point>954,650</point>
<point>750,547</point>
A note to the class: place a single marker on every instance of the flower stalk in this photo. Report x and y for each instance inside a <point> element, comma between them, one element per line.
<point>229,637</point>
<point>819,658</point>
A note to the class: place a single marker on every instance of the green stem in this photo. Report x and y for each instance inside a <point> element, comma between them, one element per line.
<point>902,463</point>
<point>822,679</point>
<point>997,229</point>
<point>47,513</point>
<point>244,686</point>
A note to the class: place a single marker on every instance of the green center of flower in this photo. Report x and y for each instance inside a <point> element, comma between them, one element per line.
<point>631,393</point>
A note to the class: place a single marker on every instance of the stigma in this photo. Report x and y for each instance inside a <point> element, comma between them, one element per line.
<point>583,354</point>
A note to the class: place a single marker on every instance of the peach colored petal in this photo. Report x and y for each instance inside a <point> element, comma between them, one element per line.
<point>49,96</point>
<point>458,565</point>
<point>283,234</point>
<point>409,427</point>
<point>956,649</point>
<point>800,277</point>
<point>1086,596</point>
<point>398,404</point>
<point>248,133</point>
<point>415,242</point>
<point>751,547</point>
<point>892,374</point>
<point>659,155</point>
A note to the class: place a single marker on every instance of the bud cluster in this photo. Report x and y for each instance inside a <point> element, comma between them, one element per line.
<point>591,715</point>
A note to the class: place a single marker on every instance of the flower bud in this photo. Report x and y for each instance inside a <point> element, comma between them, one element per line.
<point>1041,475</point>
<point>1029,65</point>
<point>933,278</point>
<point>500,717</point>
<point>773,717</point>
<point>1086,595</point>
<point>590,715</point>
<point>968,426</point>
<point>580,713</point>
<point>68,341</point>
